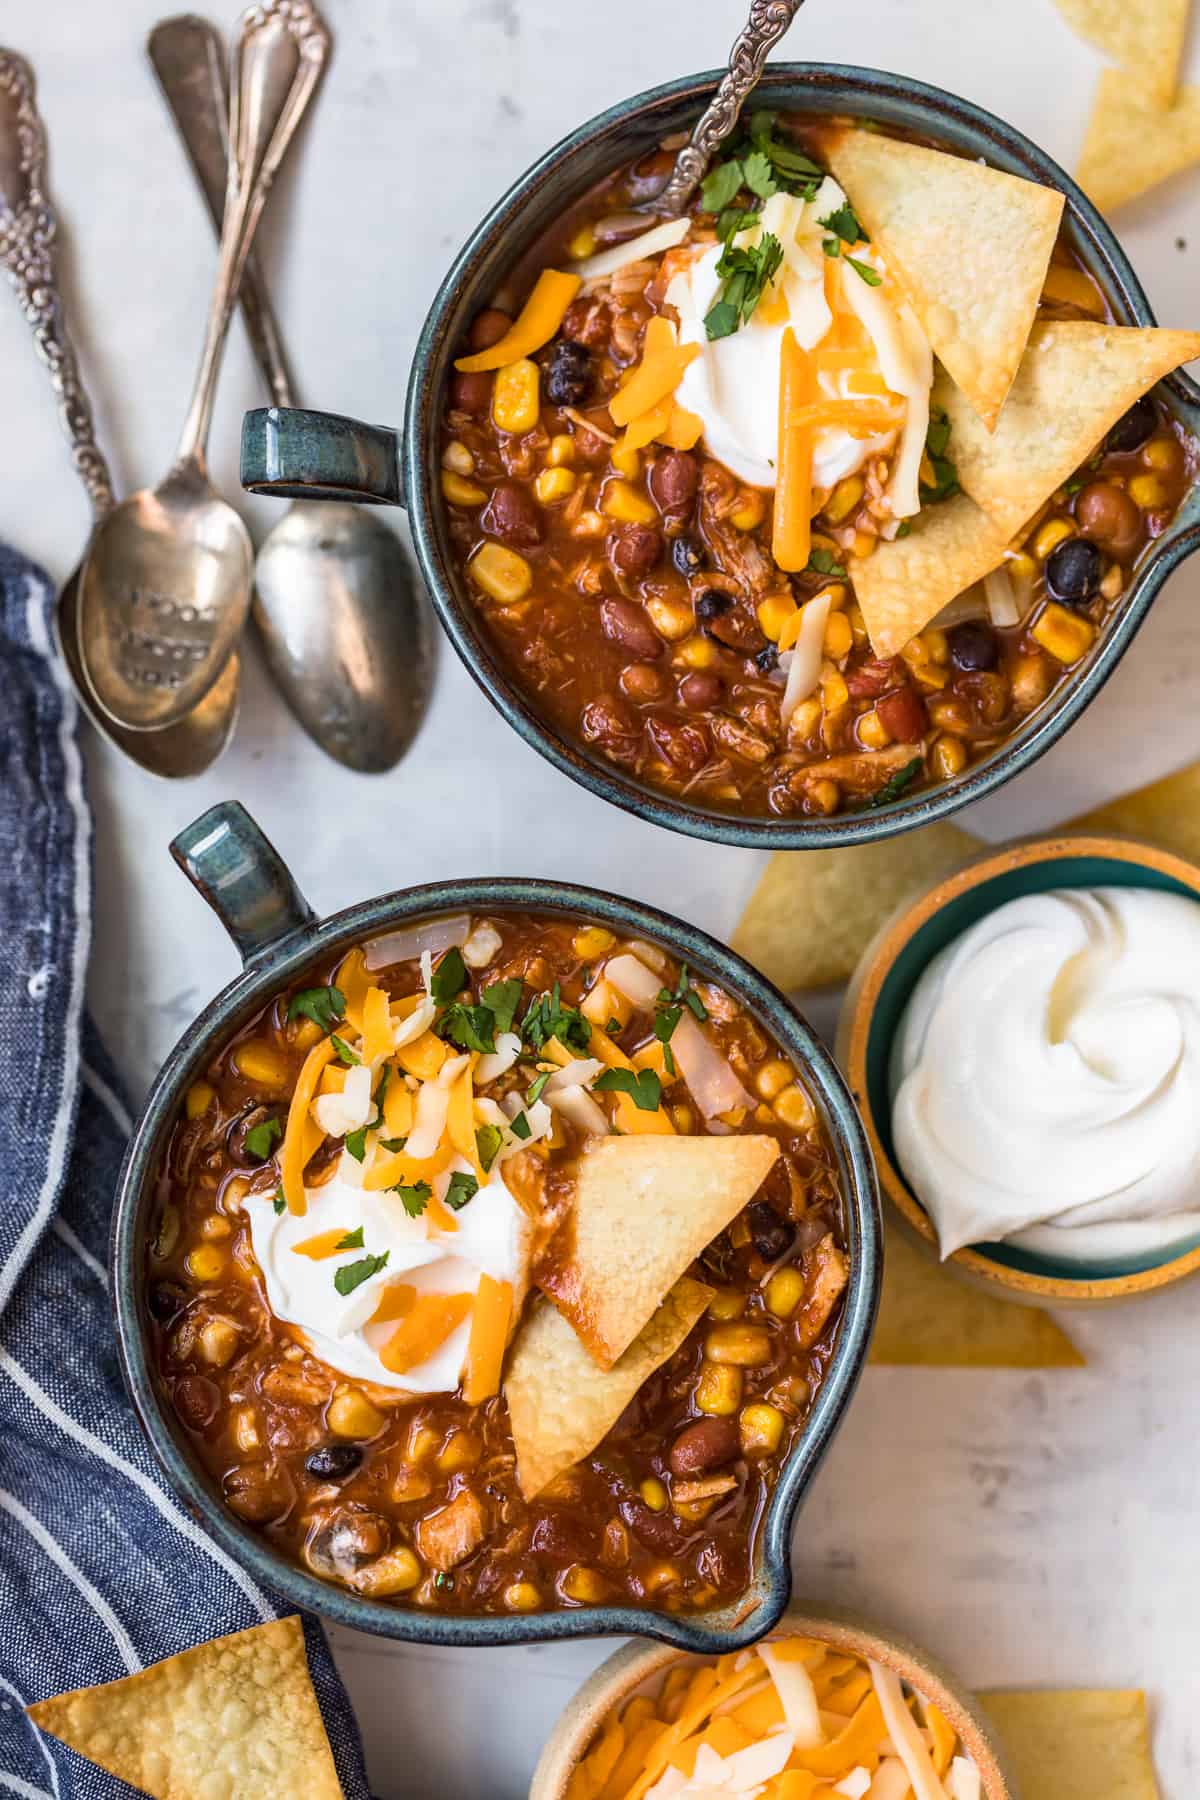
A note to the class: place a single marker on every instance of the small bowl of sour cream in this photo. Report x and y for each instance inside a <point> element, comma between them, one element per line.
<point>1023,1040</point>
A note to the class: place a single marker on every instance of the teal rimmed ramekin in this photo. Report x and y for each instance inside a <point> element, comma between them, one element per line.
<point>880,989</point>
<point>244,880</point>
<point>325,456</point>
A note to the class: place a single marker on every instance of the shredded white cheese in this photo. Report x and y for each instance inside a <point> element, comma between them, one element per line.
<point>650,243</point>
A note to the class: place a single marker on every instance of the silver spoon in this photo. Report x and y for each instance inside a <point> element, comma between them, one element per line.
<point>336,596</point>
<point>166,584</point>
<point>28,229</point>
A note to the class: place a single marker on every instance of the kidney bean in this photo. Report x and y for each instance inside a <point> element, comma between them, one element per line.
<point>611,727</point>
<point>673,481</point>
<point>626,623</point>
<point>560,1534</point>
<point>700,690</point>
<point>642,682</point>
<point>196,1401</point>
<point>488,327</point>
<point>683,745</point>
<point>739,630</point>
<point>1107,516</point>
<point>634,550</point>
<point>587,322</point>
<point>657,1531</point>
<point>165,1299</point>
<point>513,515</point>
<point>704,1445</point>
<point>472,393</point>
<point>902,713</point>
<point>872,678</point>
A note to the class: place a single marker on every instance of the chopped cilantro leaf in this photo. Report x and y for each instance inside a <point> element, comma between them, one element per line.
<point>844,225</point>
<point>721,184</point>
<point>746,274</point>
<point>488,1139</point>
<point>353,1240</point>
<point>824,562</point>
<point>261,1139</point>
<point>548,1018</point>
<point>757,175</point>
<point>462,1188</point>
<point>666,1018</point>
<point>415,1198</point>
<point>450,977</point>
<point>831,247</point>
<point>945,476</point>
<point>356,1143</point>
<point>520,1127</point>
<point>470,1027</point>
<point>871,276</point>
<point>903,528</point>
<point>735,219</point>
<point>896,784</point>
<point>279,1203</point>
<point>614,1027</point>
<point>323,1005</point>
<point>643,1086</point>
<point>352,1275</point>
<point>385,1075</point>
<point>791,168</point>
<point>343,1051</point>
<point>442,1580</point>
<point>503,998</point>
<point>539,1087</point>
<point>392,1144</point>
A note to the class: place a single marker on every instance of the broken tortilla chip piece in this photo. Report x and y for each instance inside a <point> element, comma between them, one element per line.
<point>1132,144</point>
<point>644,1209</point>
<point>907,582</point>
<point>1144,36</point>
<point>560,1404</point>
<point>1167,812</point>
<point>1076,380</point>
<point>235,1716</point>
<point>1077,1744</point>
<point>968,245</point>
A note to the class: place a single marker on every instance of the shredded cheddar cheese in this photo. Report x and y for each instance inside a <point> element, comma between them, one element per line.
<point>489,1335</point>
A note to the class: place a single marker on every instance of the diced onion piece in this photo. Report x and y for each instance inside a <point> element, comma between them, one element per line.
<point>407,1031</point>
<point>648,243</point>
<point>499,1061</point>
<point>581,1073</point>
<point>905,1734</point>
<point>891,1781</point>
<point>1001,600</point>
<point>804,669</point>
<point>349,1110</point>
<point>481,946</point>
<point>964,1781</point>
<point>855,1784</point>
<point>797,1696</point>
<point>432,935</point>
<point>576,1104</point>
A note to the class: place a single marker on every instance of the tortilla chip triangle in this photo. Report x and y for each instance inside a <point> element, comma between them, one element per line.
<point>1145,36</point>
<point>1131,143</point>
<point>560,1404</point>
<point>237,1716</point>
<point>645,1207</point>
<point>968,245</point>
<point>1075,381</point>
<point>909,580</point>
<point>1077,1743</point>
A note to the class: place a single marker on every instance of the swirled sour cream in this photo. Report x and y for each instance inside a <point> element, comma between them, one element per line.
<point>492,1238</point>
<point>1046,1076</point>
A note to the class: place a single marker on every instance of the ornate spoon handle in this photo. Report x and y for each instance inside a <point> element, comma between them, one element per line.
<point>768,21</point>
<point>27,232</point>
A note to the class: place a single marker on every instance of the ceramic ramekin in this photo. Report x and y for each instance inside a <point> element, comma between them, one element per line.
<point>620,1677</point>
<point>324,456</point>
<point>885,978</point>
<point>244,880</point>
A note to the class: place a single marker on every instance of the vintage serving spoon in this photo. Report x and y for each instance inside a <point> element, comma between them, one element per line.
<point>166,584</point>
<point>336,596</point>
<point>28,229</point>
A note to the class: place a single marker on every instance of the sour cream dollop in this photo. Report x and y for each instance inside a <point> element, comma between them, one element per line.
<point>492,1238</point>
<point>1046,1077</point>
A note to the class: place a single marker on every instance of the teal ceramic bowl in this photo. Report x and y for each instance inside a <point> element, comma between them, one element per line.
<point>243,878</point>
<point>880,990</point>
<point>325,456</point>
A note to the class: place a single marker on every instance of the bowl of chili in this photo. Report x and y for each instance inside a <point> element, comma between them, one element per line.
<point>672,718</point>
<point>407,1513</point>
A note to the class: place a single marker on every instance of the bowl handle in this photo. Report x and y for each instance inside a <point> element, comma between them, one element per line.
<point>319,456</point>
<point>244,879</point>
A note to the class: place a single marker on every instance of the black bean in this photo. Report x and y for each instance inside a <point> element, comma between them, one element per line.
<point>569,376</point>
<point>164,1300</point>
<point>1073,571</point>
<point>711,604</point>
<point>1134,427</point>
<point>333,1462</point>
<point>772,1236</point>
<point>973,646</point>
<point>687,553</point>
<point>766,660</point>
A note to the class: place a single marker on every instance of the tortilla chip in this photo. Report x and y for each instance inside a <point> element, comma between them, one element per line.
<point>1075,381</point>
<point>1077,1744</point>
<point>237,1715</point>
<point>560,1404</point>
<point>1167,812</point>
<point>814,911</point>
<point>1132,144</point>
<point>928,1319</point>
<point>644,1209</point>
<point>968,245</point>
<point>909,580</point>
<point>1144,36</point>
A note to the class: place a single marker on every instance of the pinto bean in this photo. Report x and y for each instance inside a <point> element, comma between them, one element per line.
<point>258,1492</point>
<point>673,482</point>
<point>1109,518</point>
<point>488,327</point>
<point>611,726</point>
<point>700,690</point>
<point>683,745</point>
<point>513,515</point>
<point>642,682</point>
<point>635,550</point>
<point>703,1445</point>
<point>625,623</point>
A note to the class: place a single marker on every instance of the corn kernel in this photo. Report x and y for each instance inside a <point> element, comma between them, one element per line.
<point>456,456</point>
<point>763,1114</point>
<point>409,1484</point>
<point>199,1098</point>
<point>662,1575</point>
<point>948,757</point>
<point>672,619</point>
<point>835,593</point>
<point>582,244</point>
<point>1050,535</point>
<point>749,512</point>
<point>692,1511</point>
<point>719,1389</point>
<point>774,612</point>
<point>864,545</point>
<point>215,1227</point>
<point>262,1064</point>
<point>834,692</point>
<point>683,1120</point>
<point>501,573</point>
<point>244,1423</point>
<point>785,1291</point>
<point>844,498</point>
<point>351,1415</point>
<point>554,484</point>
<point>872,733</point>
<point>589,524</point>
<point>626,505</point>
<point>771,1077</point>
<point>205,1263</point>
<point>743,1346</point>
<point>1021,566</point>
<point>462,1451</point>
<point>522,1596</point>
<point>584,1585</point>
<point>1164,454</point>
<point>626,461</point>
<point>422,1443</point>
<point>593,941</point>
<point>761,1429</point>
<point>804,720</point>
<point>516,396</point>
<point>697,653</point>
<point>561,450</point>
<point>460,492</point>
<point>218,1342</point>
<point>1149,492</point>
<point>936,643</point>
<point>858,624</point>
<point>727,1304</point>
<point>838,636</point>
<point>1114,581</point>
<point>306,1033</point>
<point>825,796</point>
<point>794,1107</point>
<point>654,1494</point>
<point>395,1572</point>
<point>1064,634</point>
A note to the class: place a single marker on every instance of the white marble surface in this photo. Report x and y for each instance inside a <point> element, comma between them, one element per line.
<point>1032,1529</point>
